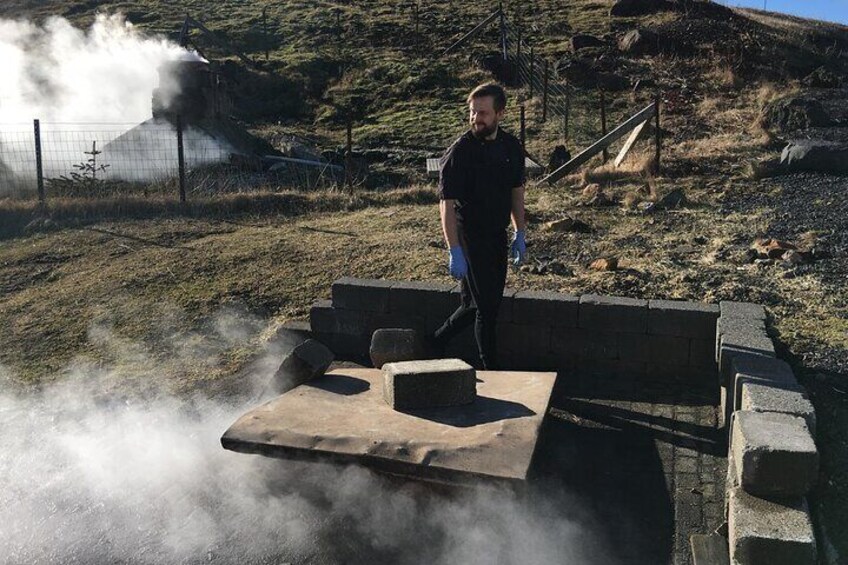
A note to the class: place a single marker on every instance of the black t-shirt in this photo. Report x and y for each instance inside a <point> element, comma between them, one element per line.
<point>480,176</point>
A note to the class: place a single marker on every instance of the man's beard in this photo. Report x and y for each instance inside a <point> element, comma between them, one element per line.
<point>485,132</point>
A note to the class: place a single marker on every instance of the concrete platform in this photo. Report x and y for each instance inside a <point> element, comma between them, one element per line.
<point>342,416</point>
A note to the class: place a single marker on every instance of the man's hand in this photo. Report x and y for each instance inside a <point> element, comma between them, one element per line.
<point>518,249</point>
<point>458,266</point>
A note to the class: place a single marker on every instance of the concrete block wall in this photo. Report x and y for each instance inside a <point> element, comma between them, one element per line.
<point>772,457</point>
<point>593,336</point>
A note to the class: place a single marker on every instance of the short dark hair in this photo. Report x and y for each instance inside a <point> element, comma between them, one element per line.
<point>492,89</point>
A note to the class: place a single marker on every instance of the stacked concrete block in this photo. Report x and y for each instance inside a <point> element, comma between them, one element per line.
<point>790,399</point>
<point>753,369</point>
<point>764,531</point>
<point>390,345</point>
<point>411,385</point>
<point>774,454</point>
<point>305,362</point>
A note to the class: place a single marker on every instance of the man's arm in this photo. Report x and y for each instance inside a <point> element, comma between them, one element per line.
<point>518,208</point>
<point>448,213</point>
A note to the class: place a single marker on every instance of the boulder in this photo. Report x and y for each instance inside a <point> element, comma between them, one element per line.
<point>792,113</point>
<point>815,156</point>
<point>559,157</point>
<point>306,361</point>
<point>627,8</point>
<point>639,42</point>
<point>389,345</point>
<point>822,78</point>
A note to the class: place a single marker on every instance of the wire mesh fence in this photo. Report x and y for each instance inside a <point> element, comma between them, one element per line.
<point>155,157</point>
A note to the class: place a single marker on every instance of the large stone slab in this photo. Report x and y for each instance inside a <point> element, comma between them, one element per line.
<point>409,385</point>
<point>342,416</point>
<point>787,399</point>
<point>682,318</point>
<point>774,454</point>
<point>761,531</point>
<point>390,345</point>
<point>370,295</point>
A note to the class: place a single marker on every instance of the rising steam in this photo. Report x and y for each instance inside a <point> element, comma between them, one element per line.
<point>91,476</point>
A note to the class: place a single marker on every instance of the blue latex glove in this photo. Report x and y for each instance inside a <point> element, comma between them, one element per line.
<point>518,249</point>
<point>458,265</point>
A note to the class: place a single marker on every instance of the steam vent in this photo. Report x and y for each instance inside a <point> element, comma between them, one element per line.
<point>194,91</point>
<point>672,424</point>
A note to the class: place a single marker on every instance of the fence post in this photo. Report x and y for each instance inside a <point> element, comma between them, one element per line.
<point>523,129</point>
<point>532,65</point>
<point>415,15</point>
<point>265,30</point>
<point>567,113</point>
<point>503,31</point>
<point>349,155</point>
<point>604,122</point>
<point>657,131</point>
<point>39,171</point>
<point>518,57</point>
<point>181,157</point>
<point>545,91</point>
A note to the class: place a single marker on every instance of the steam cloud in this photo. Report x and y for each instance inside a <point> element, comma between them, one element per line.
<point>87,86</point>
<point>90,476</point>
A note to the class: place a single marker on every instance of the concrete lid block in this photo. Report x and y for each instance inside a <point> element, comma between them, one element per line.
<point>389,345</point>
<point>613,314</point>
<point>753,368</point>
<point>774,454</point>
<point>762,531</point>
<point>419,297</point>
<point>429,383</point>
<point>305,362</point>
<point>783,399</point>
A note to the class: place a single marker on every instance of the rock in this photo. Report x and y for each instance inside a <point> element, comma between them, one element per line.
<point>570,225</point>
<point>791,113</point>
<point>604,264</point>
<point>627,8</point>
<point>577,72</point>
<point>559,157</point>
<point>389,345</point>
<point>815,156</point>
<point>770,248</point>
<point>668,202</point>
<point>428,384</point>
<point>582,41</point>
<point>793,257</point>
<point>611,82</point>
<point>639,42</point>
<point>822,78</point>
<point>308,360</point>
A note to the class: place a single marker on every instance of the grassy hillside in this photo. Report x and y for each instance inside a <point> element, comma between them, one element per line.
<point>127,283</point>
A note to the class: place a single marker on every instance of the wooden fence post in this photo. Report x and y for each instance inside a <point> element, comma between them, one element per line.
<point>39,170</point>
<point>567,114</point>
<point>349,155</point>
<point>545,91</point>
<point>658,131</point>
<point>604,122</point>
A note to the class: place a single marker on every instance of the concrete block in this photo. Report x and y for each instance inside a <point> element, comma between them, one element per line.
<point>682,318</point>
<point>762,531</point>
<point>292,333</point>
<point>725,408</point>
<point>613,314</point>
<point>370,295</point>
<point>745,342</point>
<point>322,319</point>
<point>793,400</point>
<point>596,345</point>
<point>757,369</point>
<point>506,312</point>
<point>430,383</point>
<point>748,310</point>
<point>545,308</point>
<point>525,340</point>
<point>702,354</point>
<point>775,455</point>
<point>668,350</point>
<point>306,361</point>
<point>709,549</point>
<point>736,324</point>
<point>635,348</point>
<point>418,298</point>
<point>389,345</point>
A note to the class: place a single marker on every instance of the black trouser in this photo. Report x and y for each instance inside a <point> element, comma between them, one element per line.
<point>481,291</point>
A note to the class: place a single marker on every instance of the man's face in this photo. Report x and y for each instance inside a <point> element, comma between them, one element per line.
<point>482,116</point>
